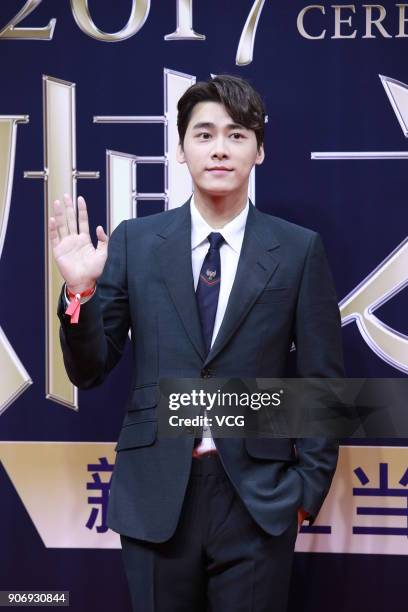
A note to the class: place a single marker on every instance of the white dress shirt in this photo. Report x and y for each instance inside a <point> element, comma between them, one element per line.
<point>230,250</point>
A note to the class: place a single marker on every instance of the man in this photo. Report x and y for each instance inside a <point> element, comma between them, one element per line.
<point>213,288</point>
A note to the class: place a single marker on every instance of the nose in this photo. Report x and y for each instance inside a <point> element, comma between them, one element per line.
<point>220,149</point>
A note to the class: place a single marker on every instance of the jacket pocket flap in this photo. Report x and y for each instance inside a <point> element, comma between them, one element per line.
<point>137,416</point>
<point>137,435</point>
<point>271,448</point>
<point>144,397</point>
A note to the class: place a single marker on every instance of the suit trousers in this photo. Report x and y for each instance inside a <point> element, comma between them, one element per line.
<point>218,560</point>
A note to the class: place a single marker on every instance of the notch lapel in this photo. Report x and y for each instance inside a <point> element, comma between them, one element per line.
<point>174,258</point>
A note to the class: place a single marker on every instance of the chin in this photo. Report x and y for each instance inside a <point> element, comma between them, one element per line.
<point>217,189</point>
<point>217,192</point>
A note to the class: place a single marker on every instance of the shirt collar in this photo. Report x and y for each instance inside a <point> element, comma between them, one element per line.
<point>232,232</point>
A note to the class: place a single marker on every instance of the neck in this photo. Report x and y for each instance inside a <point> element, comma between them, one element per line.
<point>219,210</point>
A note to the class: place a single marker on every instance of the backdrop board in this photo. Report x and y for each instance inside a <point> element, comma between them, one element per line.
<point>88,101</point>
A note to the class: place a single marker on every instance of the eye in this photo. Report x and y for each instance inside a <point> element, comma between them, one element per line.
<point>237,136</point>
<point>204,135</point>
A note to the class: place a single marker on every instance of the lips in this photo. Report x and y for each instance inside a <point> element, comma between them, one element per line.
<point>219,169</point>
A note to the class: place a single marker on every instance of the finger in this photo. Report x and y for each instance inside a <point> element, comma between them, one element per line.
<point>82,216</point>
<point>60,220</point>
<point>53,232</point>
<point>102,237</point>
<point>70,214</point>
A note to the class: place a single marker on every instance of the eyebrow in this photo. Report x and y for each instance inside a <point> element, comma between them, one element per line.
<point>208,124</point>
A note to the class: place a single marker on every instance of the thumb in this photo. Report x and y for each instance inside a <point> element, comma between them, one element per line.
<point>102,237</point>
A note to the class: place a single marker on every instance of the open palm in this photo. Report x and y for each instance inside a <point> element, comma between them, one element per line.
<point>78,261</point>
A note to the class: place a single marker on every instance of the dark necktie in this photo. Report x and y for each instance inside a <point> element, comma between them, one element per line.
<point>208,287</point>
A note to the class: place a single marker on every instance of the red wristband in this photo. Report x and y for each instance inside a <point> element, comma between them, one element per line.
<point>74,306</point>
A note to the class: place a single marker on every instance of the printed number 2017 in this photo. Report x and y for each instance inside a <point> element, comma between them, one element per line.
<point>139,13</point>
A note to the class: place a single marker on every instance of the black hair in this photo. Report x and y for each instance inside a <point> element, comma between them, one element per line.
<point>242,102</point>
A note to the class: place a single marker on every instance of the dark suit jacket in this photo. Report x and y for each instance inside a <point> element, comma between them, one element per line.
<point>283,292</point>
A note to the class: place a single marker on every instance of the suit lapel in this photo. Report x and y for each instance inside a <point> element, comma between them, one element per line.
<point>257,263</point>
<point>174,257</point>
<point>255,267</point>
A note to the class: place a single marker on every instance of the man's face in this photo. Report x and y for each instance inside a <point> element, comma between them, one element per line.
<point>219,153</point>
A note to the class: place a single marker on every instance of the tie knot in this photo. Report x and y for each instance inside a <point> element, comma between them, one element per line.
<point>216,239</point>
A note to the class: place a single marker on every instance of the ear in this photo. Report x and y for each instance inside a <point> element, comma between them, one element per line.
<point>260,155</point>
<point>180,154</point>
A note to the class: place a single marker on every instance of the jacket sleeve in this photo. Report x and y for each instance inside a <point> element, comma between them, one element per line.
<point>319,354</point>
<point>93,346</point>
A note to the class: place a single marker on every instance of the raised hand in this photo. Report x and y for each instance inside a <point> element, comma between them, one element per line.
<point>79,263</point>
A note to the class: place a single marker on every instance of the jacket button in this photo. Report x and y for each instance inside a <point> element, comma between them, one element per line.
<point>206,373</point>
